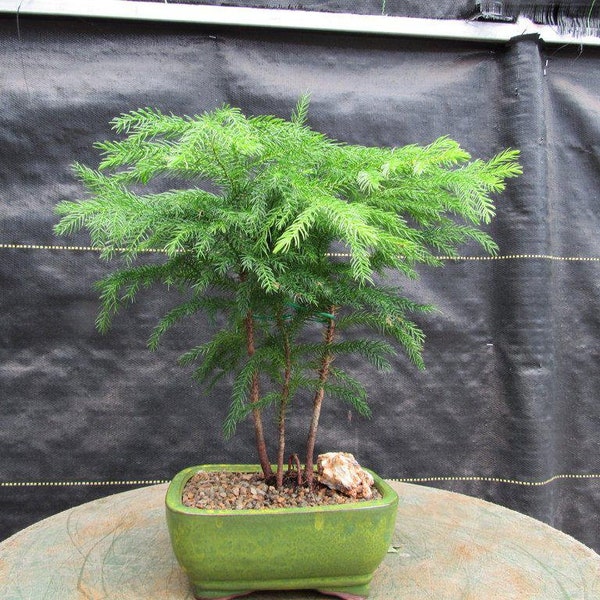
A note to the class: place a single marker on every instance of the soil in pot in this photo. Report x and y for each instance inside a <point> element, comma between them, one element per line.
<point>230,490</point>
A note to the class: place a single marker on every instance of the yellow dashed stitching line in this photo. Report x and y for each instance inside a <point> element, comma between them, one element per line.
<point>135,482</point>
<point>333,254</point>
<point>523,256</point>
<point>562,476</point>
<point>67,248</point>
<point>7,484</point>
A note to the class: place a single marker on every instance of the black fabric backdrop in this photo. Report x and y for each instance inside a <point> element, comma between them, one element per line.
<point>507,409</point>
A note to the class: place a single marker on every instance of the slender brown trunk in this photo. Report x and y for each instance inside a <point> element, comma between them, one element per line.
<point>285,396</point>
<point>318,399</point>
<point>259,435</point>
<point>294,459</point>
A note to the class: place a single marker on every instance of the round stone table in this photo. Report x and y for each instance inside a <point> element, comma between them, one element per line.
<point>446,547</point>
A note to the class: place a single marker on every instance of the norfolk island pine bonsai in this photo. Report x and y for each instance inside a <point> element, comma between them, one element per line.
<point>286,235</point>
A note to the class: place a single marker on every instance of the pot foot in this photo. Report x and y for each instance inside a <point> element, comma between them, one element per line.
<point>357,592</point>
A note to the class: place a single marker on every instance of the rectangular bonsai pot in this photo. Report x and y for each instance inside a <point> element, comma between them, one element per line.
<point>334,549</point>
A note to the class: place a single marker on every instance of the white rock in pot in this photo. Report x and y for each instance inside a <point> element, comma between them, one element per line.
<point>340,471</point>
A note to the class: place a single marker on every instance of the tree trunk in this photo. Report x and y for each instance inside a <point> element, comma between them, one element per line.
<point>285,396</point>
<point>318,399</point>
<point>259,435</point>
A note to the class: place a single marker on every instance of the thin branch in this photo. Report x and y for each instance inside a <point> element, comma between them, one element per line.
<point>319,395</point>
<point>285,397</point>
<point>261,445</point>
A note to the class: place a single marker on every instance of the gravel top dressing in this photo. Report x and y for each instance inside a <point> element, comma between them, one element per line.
<point>226,490</point>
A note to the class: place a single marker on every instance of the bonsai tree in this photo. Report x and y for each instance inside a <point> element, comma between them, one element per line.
<point>290,237</point>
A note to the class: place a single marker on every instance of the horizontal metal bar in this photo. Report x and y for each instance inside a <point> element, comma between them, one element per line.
<point>484,32</point>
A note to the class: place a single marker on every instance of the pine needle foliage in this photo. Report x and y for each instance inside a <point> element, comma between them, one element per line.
<point>247,230</point>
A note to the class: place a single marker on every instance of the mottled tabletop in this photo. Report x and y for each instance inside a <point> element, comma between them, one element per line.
<point>446,546</point>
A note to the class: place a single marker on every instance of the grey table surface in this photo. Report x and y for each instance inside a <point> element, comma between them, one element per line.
<point>446,546</point>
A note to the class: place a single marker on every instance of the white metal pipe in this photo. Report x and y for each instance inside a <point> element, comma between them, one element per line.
<point>443,29</point>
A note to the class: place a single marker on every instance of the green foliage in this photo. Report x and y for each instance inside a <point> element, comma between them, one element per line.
<point>255,207</point>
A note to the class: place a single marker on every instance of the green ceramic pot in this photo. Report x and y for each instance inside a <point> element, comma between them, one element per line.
<point>228,553</point>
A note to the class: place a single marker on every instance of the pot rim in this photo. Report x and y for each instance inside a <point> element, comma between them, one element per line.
<point>175,491</point>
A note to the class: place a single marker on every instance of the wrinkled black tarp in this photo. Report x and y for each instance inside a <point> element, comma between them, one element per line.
<point>511,387</point>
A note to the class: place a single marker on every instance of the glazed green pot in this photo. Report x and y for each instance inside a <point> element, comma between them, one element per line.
<point>227,553</point>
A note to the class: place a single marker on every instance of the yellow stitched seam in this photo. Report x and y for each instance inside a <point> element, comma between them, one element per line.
<point>68,248</point>
<point>135,482</point>
<point>558,477</point>
<point>333,254</point>
<point>80,483</point>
